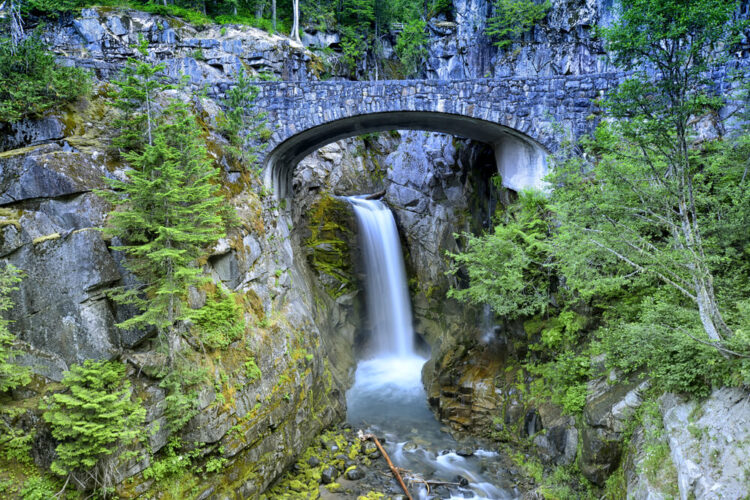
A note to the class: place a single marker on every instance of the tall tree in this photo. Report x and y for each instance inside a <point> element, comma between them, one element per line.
<point>136,92</point>
<point>295,22</point>
<point>637,208</point>
<point>169,213</point>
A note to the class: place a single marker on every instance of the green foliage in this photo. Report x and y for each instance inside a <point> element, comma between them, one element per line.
<point>15,445</point>
<point>32,84</point>
<point>509,269</point>
<point>38,488</point>
<point>252,371</point>
<point>243,125</point>
<point>135,96</point>
<point>561,360</point>
<point>674,360</point>
<point>11,375</point>
<point>181,400</point>
<point>220,321</point>
<point>170,212</point>
<point>411,46</point>
<point>93,418</point>
<point>174,462</point>
<point>513,18</point>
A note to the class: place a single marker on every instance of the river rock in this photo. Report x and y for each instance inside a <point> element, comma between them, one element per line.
<point>355,474</point>
<point>328,475</point>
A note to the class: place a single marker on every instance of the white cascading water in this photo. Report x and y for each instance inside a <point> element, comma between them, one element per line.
<point>387,295</point>
<point>388,396</point>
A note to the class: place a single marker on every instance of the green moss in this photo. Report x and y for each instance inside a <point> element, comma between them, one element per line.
<point>49,237</point>
<point>328,242</point>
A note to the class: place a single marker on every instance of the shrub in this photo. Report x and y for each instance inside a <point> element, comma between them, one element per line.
<point>220,321</point>
<point>31,84</point>
<point>11,375</point>
<point>513,18</point>
<point>93,417</point>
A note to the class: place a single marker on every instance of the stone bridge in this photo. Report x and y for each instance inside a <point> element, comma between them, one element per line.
<point>522,118</point>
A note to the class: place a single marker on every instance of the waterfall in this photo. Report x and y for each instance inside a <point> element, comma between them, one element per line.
<point>387,294</point>
<point>388,397</point>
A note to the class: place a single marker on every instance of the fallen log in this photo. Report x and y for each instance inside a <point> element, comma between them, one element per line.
<point>393,468</point>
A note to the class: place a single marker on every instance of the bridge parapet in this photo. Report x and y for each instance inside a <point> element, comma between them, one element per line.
<point>304,116</point>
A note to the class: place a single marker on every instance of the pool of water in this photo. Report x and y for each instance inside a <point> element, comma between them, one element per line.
<point>388,399</point>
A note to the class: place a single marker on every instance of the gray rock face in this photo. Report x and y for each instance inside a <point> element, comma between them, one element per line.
<point>47,171</point>
<point>608,408</point>
<point>30,132</point>
<point>101,40</point>
<point>709,443</point>
<point>60,308</point>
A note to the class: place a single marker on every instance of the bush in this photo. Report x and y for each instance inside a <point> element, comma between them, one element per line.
<point>510,269</point>
<point>220,322</point>
<point>513,18</point>
<point>31,84</point>
<point>93,418</point>
<point>411,47</point>
<point>38,488</point>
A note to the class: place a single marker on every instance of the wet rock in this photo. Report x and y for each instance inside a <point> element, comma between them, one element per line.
<point>607,409</point>
<point>328,475</point>
<point>355,474</point>
<point>368,448</point>
<point>313,461</point>
<point>410,446</point>
<point>461,480</point>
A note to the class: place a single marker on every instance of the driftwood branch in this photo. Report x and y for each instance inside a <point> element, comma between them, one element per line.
<point>393,468</point>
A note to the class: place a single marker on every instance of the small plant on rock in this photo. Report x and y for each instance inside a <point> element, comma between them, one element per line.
<point>92,421</point>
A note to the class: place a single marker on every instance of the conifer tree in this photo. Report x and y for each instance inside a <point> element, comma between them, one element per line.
<point>169,214</point>
<point>92,419</point>
<point>137,89</point>
<point>11,375</point>
<point>242,124</point>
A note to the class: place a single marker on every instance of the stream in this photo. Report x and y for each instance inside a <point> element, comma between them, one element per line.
<point>388,397</point>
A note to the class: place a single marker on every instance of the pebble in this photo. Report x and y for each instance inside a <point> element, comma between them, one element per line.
<point>328,475</point>
<point>462,481</point>
<point>355,474</point>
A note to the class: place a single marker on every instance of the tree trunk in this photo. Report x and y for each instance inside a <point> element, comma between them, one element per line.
<point>295,24</point>
<point>273,14</point>
<point>259,9</point>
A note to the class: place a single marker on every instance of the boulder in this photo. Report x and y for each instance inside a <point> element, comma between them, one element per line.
<point>709,443</point>
<point>609,406</point>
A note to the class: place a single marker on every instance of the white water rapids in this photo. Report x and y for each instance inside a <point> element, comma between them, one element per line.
<point>388,396</point>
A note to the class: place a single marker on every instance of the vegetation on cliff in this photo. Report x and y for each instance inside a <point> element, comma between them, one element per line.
<point>31,84</point>
<point>93,420</point>
<point>643,235</point>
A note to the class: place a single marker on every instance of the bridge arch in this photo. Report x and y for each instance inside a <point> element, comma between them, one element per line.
<point>519,117</point>
<point>521,160</point>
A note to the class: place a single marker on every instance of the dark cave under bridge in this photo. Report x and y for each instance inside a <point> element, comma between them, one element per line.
<point>523,119</point>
